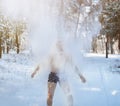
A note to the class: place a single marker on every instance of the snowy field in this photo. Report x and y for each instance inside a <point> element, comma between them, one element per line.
<point>18,89</point>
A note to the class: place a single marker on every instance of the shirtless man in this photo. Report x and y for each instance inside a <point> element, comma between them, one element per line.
<point>57,63</point>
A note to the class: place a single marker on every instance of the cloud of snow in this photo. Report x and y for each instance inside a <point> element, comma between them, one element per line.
<point>15,8</point>
<point>46,25</point>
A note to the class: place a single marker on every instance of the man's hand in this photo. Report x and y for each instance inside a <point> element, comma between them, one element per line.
<point>82,79</point>
<point>32,75</point>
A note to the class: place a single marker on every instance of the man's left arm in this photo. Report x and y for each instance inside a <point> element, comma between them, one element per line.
<point>83,79</point>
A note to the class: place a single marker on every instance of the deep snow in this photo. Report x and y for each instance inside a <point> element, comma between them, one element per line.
<point>18,89</point>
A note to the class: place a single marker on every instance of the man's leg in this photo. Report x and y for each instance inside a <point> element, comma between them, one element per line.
<point>65,86</point>
<point>51,90</point>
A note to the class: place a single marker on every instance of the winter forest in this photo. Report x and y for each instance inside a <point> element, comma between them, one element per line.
<point>90,34</point>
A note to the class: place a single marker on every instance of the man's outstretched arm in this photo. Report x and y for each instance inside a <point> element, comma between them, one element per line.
<point>80,74</point>
<point>35,71</point>
<point>76,69</point>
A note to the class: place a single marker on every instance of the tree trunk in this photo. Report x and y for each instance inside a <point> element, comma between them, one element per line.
<point>77,24</point>
<point>8,49</point>
<point>119,43</point>
<point>8,45</point>
<point>94,45</point>
<point>106,44</point>
<point>0,47</point>
<point>3,49</point>
<point>17,43</point>
<point>111,46</point>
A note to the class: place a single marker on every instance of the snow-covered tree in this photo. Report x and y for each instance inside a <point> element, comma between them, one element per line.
<point>10,34</point>
<point>110,21</point>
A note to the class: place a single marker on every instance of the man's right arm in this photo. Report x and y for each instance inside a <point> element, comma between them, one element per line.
<point>35,71</point>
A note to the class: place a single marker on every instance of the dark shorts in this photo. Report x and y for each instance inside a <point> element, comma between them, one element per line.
<point>53,77</point>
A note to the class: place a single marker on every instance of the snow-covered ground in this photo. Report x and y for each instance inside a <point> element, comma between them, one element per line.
<point>18,89</point>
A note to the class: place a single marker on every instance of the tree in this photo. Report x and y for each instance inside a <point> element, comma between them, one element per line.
<point>110,21</point>
<point>20,27</point>
<point>10,34</point>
